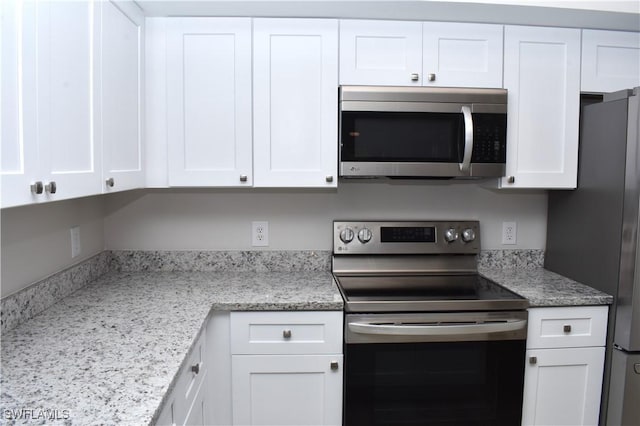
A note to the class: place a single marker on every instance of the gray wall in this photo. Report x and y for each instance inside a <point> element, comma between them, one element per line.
<point>36,240</point>
<point>189,219</point>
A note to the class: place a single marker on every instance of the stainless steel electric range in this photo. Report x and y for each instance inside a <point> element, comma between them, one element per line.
<point>428,340</point>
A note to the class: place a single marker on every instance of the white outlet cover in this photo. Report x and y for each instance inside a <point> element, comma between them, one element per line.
<point>260,234</point>
<point>509,233</point>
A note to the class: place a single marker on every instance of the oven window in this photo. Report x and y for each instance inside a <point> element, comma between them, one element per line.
<point>402,137</point>
<point>457,383</point>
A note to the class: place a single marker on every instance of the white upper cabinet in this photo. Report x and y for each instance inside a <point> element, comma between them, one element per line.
<point>51,139</point>
<point>208,81</point>
<point>420,54</point>
<point>19,158</point>
<point>610,60</point>
<point>462,55</point>
<point>380,53</point>
<point>121,94</point>
<point>542,75</point>
<point>295,101</point>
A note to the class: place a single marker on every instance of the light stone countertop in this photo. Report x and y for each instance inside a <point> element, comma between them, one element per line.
<point>108,354</point>
<point>544,288</point>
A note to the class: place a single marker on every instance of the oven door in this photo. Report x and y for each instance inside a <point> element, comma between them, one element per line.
<point>434,369</point>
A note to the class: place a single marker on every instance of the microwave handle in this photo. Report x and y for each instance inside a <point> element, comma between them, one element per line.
<point>468,139</point>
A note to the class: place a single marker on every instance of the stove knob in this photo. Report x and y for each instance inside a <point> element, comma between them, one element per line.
<point>364,235</point>
<point>468,235</point>
<point>450,235</point>
<point>346,235</point>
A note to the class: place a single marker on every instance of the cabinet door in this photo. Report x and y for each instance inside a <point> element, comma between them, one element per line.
<point>380,53</point>
<point>19,167</point>
<point>287,390</point>
<point>121,63</point>
<point>295,81</point>
<point>462,55</point>
<point>542,75</point>
<point>610,60</point>
<point>68,103</point>
<point>209,101</point>
<point>563,386</point>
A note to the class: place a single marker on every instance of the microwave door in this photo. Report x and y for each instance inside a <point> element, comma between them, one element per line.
<point>404,144</point>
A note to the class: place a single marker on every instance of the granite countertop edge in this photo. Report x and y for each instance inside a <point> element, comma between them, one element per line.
<point>207,292</point>
<point>544,288</point>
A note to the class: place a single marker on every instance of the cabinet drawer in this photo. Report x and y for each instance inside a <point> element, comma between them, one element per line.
<point>286,332</point>
<point>567,327</point>
<point>189,381</point>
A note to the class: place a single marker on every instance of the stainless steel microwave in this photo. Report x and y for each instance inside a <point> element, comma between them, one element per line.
<point>422,132</point>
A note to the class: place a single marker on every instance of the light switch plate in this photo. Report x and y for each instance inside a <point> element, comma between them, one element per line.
<point>76,248</point>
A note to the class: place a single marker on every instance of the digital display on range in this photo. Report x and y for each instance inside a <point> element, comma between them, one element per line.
<point>411,234</point>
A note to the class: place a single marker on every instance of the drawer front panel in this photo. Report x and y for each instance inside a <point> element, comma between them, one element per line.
<point>567,327</point>
<point>191,377</point>
<point>286,332</point>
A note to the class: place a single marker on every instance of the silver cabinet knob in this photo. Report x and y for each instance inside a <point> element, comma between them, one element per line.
<point>51,187</point>
<point>286,334</point>
<point>195,368</point>
<point>432,77</point>
<point>511,179</point>
<point>110,182</point>
<point>334,365</point>
<point>329,179</point>
<point>450,235</point>
<point>243,178</point>
<point>37,187</point>
<point>468,235</point>
<point>636,367</point>
<point>566,328</point>
<point>533,360</point>
<point>415,76</point>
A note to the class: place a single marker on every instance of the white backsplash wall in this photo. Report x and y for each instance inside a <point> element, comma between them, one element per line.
<point>36,239</point>
<point>193,219</point>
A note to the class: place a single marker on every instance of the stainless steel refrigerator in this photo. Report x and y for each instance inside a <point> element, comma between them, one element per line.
<point>593,237</point>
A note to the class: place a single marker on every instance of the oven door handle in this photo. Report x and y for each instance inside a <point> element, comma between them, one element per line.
<point>437,330</point>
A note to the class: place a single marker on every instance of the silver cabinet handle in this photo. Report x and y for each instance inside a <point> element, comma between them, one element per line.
<point>110,182</point>
<point>37,187</point>
<point>415,76</point>
<point>437,330</point>
<point>243,178</point>
<point>432,77</point>
<point>468,139</point>
<point>511,179</point>
<point>566,328</point>
<point>636,368</point>
<point>329,179</point>
<point>51,187</point>
<point>334,365</point>
<point>533,360</point>
<point>286,334</point>
<point>195,368</point>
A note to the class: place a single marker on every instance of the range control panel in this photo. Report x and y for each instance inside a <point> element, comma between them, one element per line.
<point>406,237</point>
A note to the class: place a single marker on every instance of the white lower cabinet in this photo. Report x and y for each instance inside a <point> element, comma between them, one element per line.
<point>188,402</point>
<point>286,368</point>
<point>564,365</point>
<point>287,389</point>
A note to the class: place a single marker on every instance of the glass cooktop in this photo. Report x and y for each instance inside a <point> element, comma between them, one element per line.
<point>426,293</point>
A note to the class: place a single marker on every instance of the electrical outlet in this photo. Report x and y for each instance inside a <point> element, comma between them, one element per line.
<point>75,242</point>
<point>260,234</point>
<point>509,232</point>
